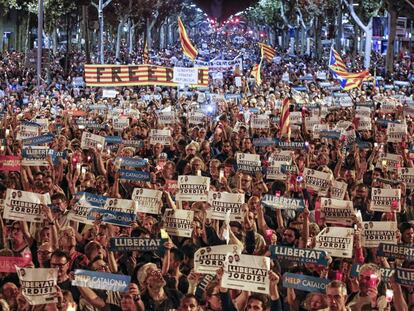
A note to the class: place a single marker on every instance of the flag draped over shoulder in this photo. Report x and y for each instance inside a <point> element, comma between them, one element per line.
<point>267,52</point>
<point>284,122</point>
<point>347,80</point>
<point>256,73</point>
<point>145,54</point>
<point>188,49</point>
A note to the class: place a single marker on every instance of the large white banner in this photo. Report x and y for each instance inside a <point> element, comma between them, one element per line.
<point>220,65</point>
<point>185,75</point>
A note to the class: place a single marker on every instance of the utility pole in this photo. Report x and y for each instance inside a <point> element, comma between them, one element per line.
<point>39,41</point>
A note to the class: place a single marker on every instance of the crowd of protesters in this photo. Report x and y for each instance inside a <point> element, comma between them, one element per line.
<point>167,281</point>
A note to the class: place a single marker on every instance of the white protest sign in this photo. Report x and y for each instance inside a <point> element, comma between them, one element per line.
<point>148,200</point>
<point>386,200</point>
<point>388,106</point>
<point>317,128</point>
<point>376,232</point>
<point>162,137</point>
<point>44,125</point>
<point>406,175</point>
<point>27,131</point>
<point>196,117</point>
<point>248,162</point>
<point>238,81</point>
<point>79,213</point>
<point>295,117</point>
<point>336,241</point>
<point>223,202</point>
<point>246,272</point>
<point>311,121</point>
<point>166,118</point>
<point>121,205</point>
<point>364,124</point>
<point>362,111</point>
<point>90,140</point>
<point>317,181</point>
<point>391,161</point>
<point>24,206</point>
<point>178,222</point>
<point>193,188</point>
<point>209,259</point>
<point>338,189</point>
<point>217,76</point>
<point>185,75</point>
<point>121,123</point>
<point>346,101</point>
<point>396,133</point>
<point>282,156</point>
<point>38,285</point>
<point>109,93</point>
<point>260,121</point>
<point>337,212</point>
<point>274,170</point>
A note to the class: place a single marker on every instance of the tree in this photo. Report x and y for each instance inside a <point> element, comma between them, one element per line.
<point>395,8</point>
<point>371,9</point>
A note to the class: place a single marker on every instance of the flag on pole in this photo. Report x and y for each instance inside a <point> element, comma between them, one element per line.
<point>347,80</point>
<point>335,61</point>
<point>188,49</point>
<point>256,72</point>
<point>267,52</point>
<point>284,122</point>
<point>145,54</point>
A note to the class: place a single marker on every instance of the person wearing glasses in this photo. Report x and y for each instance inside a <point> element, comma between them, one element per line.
<point>61,261</point>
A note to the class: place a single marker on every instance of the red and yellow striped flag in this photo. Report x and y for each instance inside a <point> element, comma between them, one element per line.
<point>256,73</point>
<point>188,49</point>
<point>284,122</point>
<point>267,52</point>
<point>145,54</point>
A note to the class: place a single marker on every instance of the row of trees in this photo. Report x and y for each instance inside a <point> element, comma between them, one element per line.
<point>308,17</point>
<point>156,20</point>
<point>97,21</point>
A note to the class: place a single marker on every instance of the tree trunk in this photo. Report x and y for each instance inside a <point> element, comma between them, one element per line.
<point>55,40</point>
<point>101,32</point>
<point>317,35</point>
<point>389,59</point>
<point>118,38</point>
<point>339,33</point>
<point>26,43</point>
<point>368,44</point>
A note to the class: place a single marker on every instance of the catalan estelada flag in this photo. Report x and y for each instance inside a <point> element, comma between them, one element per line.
<point>145,54</point>
<point>256,73</point>
<point>188,49</point>
<point>347,80</point>
<point>284,122</point>
<point>267,52</point>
